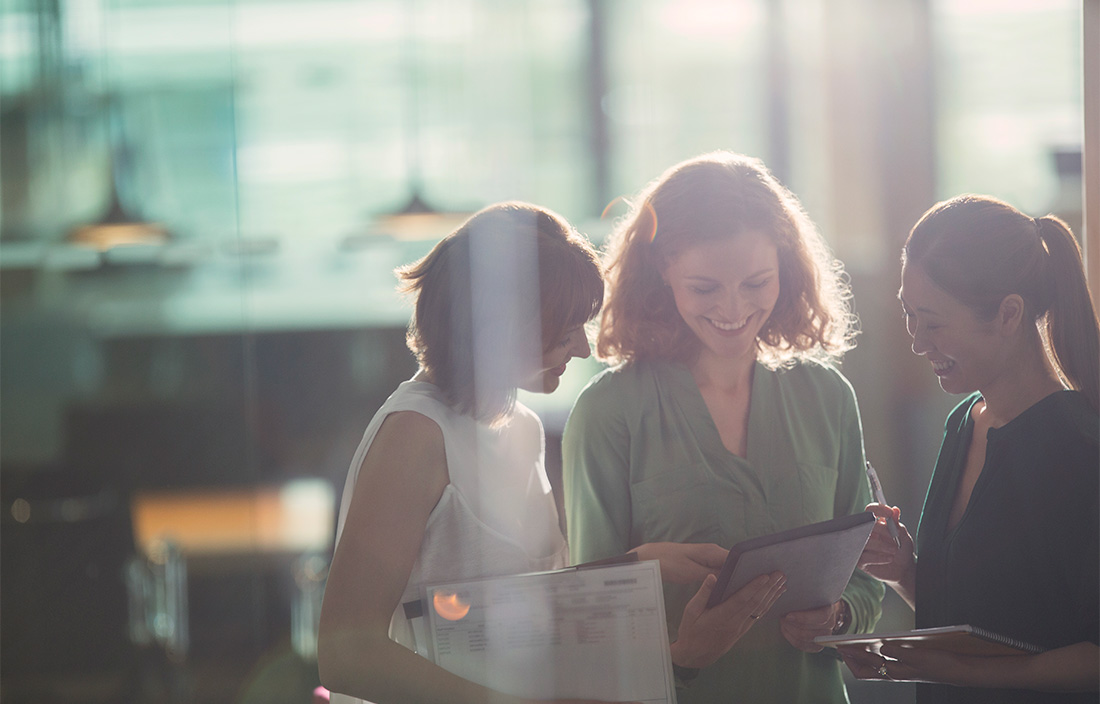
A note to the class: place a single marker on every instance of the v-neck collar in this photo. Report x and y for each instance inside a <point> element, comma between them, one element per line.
<point>993,438</point>
<point>710,438</point>
<point>766,436</point>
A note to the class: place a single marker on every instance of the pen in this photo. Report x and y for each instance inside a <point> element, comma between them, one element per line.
<point>876,488</point>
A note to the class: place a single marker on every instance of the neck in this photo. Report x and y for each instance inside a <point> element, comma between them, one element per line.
<point>724,375</point>
<point>1023,384</point>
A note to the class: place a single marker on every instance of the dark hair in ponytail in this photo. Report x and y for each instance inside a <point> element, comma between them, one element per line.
<point>980,249</point>
<point>1072,331</point>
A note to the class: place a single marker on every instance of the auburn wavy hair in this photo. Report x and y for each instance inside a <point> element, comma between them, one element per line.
<point>492,296</point>
<point>715,196</point>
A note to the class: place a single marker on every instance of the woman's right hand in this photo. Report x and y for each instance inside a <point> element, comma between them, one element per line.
<point>886,560</point>
<point>707,634</point>
<point>882,558</point>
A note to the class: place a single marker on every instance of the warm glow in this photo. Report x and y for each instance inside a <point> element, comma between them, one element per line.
<point>293,518</point>
<point>103,236</point>
<point>450,606</point>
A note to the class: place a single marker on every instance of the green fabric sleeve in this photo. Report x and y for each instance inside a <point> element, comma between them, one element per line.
<point>864,593</point>
<point>596,477</point>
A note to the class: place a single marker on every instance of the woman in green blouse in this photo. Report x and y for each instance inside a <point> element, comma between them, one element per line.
<point>723,419</point>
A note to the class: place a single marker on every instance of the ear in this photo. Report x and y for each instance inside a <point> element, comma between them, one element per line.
<point>1010,314</point>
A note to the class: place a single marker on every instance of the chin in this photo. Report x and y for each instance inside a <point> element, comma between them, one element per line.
<point>543,384</point>
<point>954,387</point>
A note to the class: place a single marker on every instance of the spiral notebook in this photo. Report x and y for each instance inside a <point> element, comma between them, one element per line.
<point>964,640</point>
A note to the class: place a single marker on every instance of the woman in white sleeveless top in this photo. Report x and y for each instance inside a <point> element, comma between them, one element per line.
<point>449,483</point>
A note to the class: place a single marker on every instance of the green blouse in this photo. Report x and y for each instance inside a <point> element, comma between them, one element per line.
<point>643,462</point>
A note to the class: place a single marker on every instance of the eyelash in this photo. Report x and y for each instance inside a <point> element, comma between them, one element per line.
<point>702,291</point>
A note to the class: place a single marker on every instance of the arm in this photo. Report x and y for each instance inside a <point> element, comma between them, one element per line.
<point>596,481</point>
<point>401,479</point>
<point>684,563</point>
<point>1073,668</point>
<point>853,493</point>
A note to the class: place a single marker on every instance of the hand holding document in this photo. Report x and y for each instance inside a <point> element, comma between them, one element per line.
<point>948,654</point>
<point>964,640</point>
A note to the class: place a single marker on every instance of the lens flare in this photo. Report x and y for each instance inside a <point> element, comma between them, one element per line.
<point>450,606</point>
<point>646,206</point>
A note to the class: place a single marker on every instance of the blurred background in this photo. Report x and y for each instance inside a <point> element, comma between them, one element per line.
<point>202,201</point>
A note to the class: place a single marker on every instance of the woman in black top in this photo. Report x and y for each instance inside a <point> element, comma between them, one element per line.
<point>1009,538</point>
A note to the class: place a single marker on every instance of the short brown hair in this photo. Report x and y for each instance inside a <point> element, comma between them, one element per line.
<point>476,312</point>
<point>716,196</point>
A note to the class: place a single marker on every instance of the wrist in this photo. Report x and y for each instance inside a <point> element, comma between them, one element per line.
<point>843,618</point>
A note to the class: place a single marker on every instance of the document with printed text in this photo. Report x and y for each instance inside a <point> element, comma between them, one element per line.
<point>587,632</point>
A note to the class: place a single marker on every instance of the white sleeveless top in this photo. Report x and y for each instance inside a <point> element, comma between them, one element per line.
<point>496,516</point>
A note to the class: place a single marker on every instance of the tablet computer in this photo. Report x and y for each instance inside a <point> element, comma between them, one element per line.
<point>818,560</point>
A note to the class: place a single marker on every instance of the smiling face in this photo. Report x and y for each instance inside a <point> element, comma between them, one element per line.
<point>725,290</point>
<point>554,360</point>
<point>965,351</point>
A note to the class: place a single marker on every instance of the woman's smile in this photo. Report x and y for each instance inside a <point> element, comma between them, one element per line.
<point>731,329</point>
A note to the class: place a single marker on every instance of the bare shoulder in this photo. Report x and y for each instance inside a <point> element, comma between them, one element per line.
<point>409,425</point>
<point>410,442</point>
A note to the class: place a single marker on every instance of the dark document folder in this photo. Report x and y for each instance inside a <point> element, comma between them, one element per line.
<point>818,560</point>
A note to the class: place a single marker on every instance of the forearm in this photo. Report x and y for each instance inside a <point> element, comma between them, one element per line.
<point>1073,668</point>
<point>906,584</point>
<point>380,670</point>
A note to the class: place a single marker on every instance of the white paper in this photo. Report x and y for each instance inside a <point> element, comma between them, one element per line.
<point>596,633</point>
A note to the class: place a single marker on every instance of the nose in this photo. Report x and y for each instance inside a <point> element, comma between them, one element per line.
<point>580,347</point>
<point>730,308</point>
<point>920,344</point>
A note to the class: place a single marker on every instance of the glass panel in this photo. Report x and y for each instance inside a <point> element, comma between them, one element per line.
<point>685,77</point>
<point>1009,102</point>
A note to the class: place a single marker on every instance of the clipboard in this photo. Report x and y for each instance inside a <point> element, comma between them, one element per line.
<point>818,560</point>
<point>964,640</point>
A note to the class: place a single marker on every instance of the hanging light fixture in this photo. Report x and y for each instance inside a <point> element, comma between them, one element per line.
<point>118,226</point>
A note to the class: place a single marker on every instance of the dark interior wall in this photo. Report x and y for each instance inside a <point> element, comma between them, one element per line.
<point>169,412</point>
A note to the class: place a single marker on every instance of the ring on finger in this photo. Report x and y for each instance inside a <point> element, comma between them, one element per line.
<point>882,671</point>
<point>755,617</point>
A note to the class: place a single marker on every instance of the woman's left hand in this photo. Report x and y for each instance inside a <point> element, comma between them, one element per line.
<point>907,664</point>
<point>1071,668</point>
<point>801,627</point>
